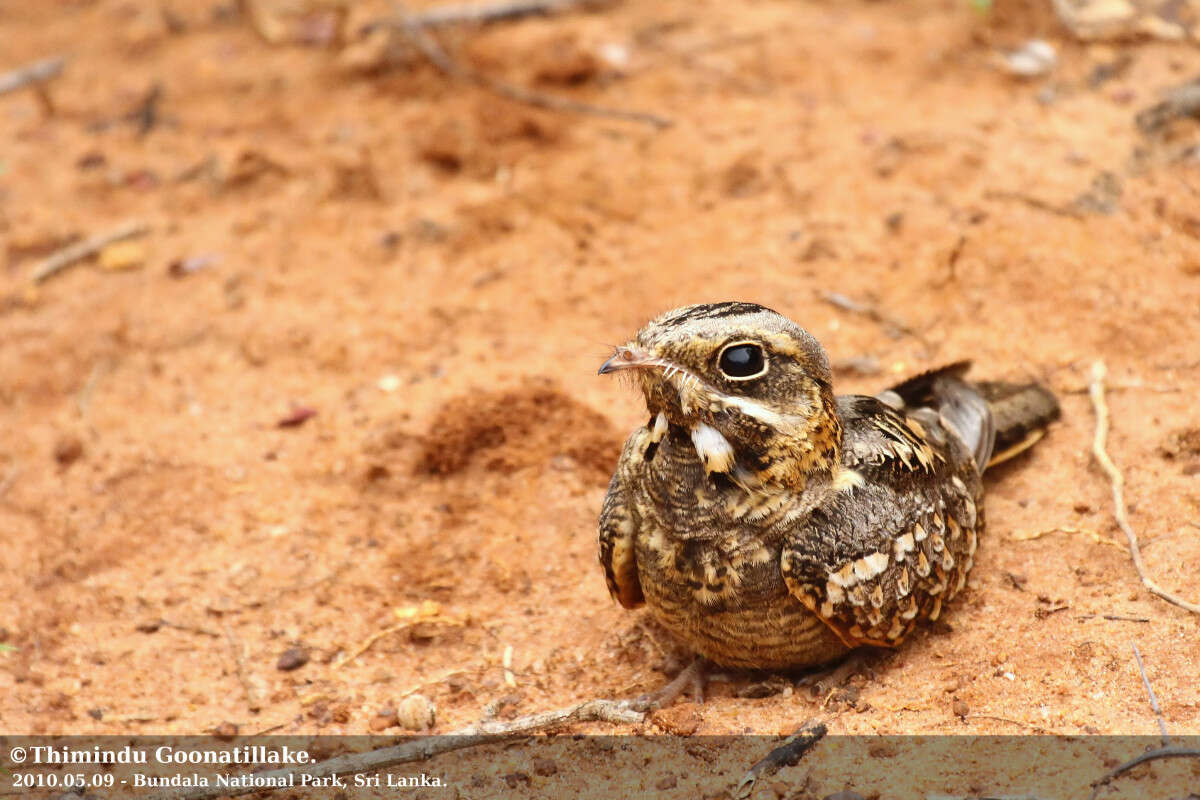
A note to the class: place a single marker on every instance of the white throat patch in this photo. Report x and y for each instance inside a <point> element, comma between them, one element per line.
<point>713,448</point>
<point>660,427</point>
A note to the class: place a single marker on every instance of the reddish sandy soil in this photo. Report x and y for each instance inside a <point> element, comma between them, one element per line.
<point>437,272</point>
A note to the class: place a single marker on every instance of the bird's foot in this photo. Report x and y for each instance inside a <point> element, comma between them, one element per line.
<point>824,681</point>
<point>692,677</point>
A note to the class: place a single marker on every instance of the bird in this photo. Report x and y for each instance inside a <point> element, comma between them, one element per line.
<point>769,524</point>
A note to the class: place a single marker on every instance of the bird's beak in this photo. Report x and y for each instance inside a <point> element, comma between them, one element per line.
<point>629,358</point>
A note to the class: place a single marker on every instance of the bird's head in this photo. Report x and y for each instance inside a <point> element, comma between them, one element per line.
<point>752,388</point>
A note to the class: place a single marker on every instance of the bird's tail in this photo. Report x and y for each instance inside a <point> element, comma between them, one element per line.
<point>1021,412</point>
<point>996,419</point>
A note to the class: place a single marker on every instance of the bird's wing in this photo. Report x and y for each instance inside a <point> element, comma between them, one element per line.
<point>963,407</point>
<point>897,537</point>
<point>618,526</point>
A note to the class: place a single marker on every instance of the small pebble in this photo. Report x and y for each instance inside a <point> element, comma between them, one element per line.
<point>1035,57</point>
<point>960,709</point>
<point>292,658</point>
<point>561,462</point>
<point>416,713</point>
<point>149,626</point>
<point>385,719</point>
<point>298,416</point>
<point>182,267</point>
<point>668,782</point>
<point>91,160</point>
<point>615,55</point>
<point>68,450</point>
<point>683,719</point>
<point>544,767</point>
<point>376,472</point>
<point>225,731</point>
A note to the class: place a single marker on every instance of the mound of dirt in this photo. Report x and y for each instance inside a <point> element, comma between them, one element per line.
<point>506,431</point>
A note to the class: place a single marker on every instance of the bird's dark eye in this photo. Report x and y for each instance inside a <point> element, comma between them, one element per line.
<point>742,360</point>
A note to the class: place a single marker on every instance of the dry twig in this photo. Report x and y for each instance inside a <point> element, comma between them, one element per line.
<point>995,718</point>
<point>1153,755</point>
<point>1125,387</point>
<point>1180,102</point>
<point>240,665</point>
<point>64,258</point>
<point>1099,372</point>
<point>471,736</point>
<point>864,365</point>
<point>426,613</point>
<point>1029,536</point>
<point>475,14</point>
<point>787,754</point>
<point>1113,617</point>
<point>84,400</point>
<point>1162,725</point>
<point>10,479</point>
<point>32,74</point>
<point>1166,751</point>
<point>146,114</point>
<point>450,673</point>
<point>984,797</point>
<point>1033,202</point>
<point>954,255</point>
<point>428,47</point>
<point>166,623</point>
<point>893,326</point>
<point>510,680</point>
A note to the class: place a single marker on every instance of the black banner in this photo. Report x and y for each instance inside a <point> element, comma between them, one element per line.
<point>810,765</point>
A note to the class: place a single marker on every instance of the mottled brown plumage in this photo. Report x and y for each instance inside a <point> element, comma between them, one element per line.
<point>769,524</point>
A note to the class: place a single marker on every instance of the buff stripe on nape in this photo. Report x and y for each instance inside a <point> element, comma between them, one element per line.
<point>715,311</point>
